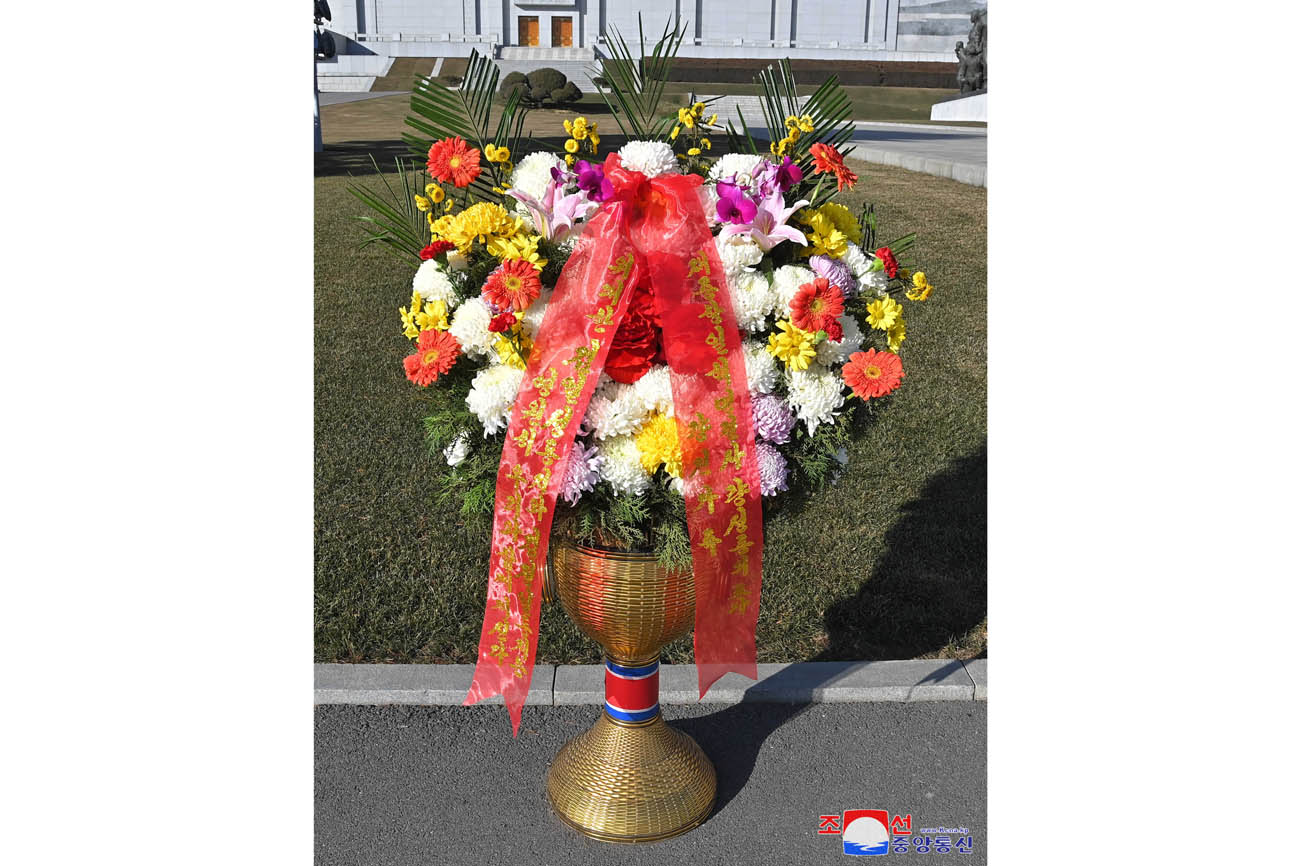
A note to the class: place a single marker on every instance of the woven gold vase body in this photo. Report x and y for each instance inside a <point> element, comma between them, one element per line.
<point>624,781</point>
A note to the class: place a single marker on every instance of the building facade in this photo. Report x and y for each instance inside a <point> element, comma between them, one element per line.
<point>862,29</point>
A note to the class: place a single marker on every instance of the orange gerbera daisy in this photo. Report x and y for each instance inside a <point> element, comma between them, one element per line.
<point>873,374</point>
<point>453,160</point>
<point>513,286</point>
<point>435,353</point>
<point>828,159</point>
<point>817,306</point>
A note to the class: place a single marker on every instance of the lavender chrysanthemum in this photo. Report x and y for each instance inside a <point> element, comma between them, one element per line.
<point>582,473</point>
<point>772,470</point>
<point>773,419</point>
<point>837,272</point>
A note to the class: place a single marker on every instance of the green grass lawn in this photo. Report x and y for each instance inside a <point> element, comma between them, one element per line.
<point>889,563</point>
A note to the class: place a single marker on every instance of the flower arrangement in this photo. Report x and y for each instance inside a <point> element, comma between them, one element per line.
<point>818,301</point>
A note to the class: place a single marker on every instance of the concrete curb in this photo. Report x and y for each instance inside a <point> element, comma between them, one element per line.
<point>962,172</point>
<point>804,682</point>
<point>866,124</point>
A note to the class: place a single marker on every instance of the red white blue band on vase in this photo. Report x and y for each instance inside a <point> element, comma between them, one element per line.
<point>632,693</point>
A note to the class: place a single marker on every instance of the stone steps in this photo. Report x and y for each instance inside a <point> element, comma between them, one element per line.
<point>577,71</point>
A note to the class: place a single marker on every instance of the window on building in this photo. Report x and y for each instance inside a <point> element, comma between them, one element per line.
<point>528,30</point>
<point>561,31</point>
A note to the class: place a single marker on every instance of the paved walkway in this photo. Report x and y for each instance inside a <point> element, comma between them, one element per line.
<point>338,98</point>
<point>421,785</point>
<point>958,152</point>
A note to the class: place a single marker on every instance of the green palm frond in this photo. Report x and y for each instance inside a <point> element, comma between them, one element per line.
<point>439,112</point>
<point>394,220</point>
<point>634,84</point>
<point>828,106</point>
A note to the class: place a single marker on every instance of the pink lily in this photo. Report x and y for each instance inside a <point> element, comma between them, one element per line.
<point>555,215</point>
<point>769,227</point>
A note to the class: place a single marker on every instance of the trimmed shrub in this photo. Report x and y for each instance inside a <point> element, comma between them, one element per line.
<point>512,82</point>
<point>566,94</point>
<point>541,82</point>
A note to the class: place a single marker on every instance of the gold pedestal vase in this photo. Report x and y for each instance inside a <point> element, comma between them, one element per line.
<point>631,777</point>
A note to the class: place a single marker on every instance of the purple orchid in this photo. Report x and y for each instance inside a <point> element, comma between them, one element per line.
<point>556,214</point>
<point>788,174</point>
<point>734,206</point>
<point>592,180</point>
<point>769,227</point>
<point>776,176</point>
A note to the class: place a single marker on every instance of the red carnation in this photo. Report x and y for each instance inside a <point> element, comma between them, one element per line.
<point>435,249</point>
<point>636,344</point>
<point>502,323</point>
<point>886,255</point>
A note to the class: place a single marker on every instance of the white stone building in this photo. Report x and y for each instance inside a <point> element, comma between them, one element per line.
<point>530,33</point>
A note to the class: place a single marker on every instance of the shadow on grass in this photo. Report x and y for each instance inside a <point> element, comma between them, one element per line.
<point>930,586</point>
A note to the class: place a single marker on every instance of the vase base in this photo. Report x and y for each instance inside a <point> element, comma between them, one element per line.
<point>632,783</point>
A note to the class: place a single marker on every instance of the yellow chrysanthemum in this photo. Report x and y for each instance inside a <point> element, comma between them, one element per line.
<point>897,334</point>
<point>409,327</point>
<point>436,195</point>
<point>482,223</point>
<point>508,351</point>
<point>570,146</point>
<point>569,160</point>
<point>706,144</point>
<point>676,132</point>
<point>697,109</point>
<point>883,313</point>
<point>497,154</point>
<point>422,204</point>
<point>658,444</point>
<point>805,123</point>
<point>921,287</point>
<point>519,246</point>
<point>795,347</point>
<point>841,218</point>
<point>713,119</point>
<point>824,238</point>
<point>686,117</point>
<point>694,151</point>
<point>594,139</point>
<point>433,317</point>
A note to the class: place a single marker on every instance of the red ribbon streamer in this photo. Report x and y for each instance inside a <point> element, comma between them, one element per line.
<point>651,229</point>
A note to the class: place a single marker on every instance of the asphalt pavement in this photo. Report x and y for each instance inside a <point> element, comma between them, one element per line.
<point>435,784</point>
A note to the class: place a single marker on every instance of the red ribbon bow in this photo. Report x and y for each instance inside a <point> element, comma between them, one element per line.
<point>652,229</point>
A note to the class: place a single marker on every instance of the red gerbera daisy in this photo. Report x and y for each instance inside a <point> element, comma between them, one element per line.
<point>435,353</point>
<point>828,159</point>
<point>513,286</point>
<point>453,160</point>
<point>873,374</point>
<point>435,249</point>
<point>817,306</point>
<point>886,255</point>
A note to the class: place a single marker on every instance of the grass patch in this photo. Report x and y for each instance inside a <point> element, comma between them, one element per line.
<point>889,563</point>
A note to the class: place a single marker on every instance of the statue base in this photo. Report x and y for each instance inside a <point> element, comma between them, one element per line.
<point>968,107</point>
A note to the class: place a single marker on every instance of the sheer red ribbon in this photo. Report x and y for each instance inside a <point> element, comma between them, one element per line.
<point>651,230</point>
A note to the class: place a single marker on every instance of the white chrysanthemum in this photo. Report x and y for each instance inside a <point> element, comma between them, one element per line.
<point>830,353</point>
<point>752,298</point>
<point>614,410</point>
<point>655,391</point>
<point>815,395</point>
<point>786,282</point>
<point>869,281</point>
<point>742,165</point>
<point>709,201</point>
<point>458,450</point>
<point>492,395</point>
<point>469,325</point>
<point>760,366</point>
<point>651,158</point>
<point>738,254</point>
<point>856,259</point>
<point>621,465</point>
<point>433,285</point>
<point>533,173</point>
<point>531,321</point>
